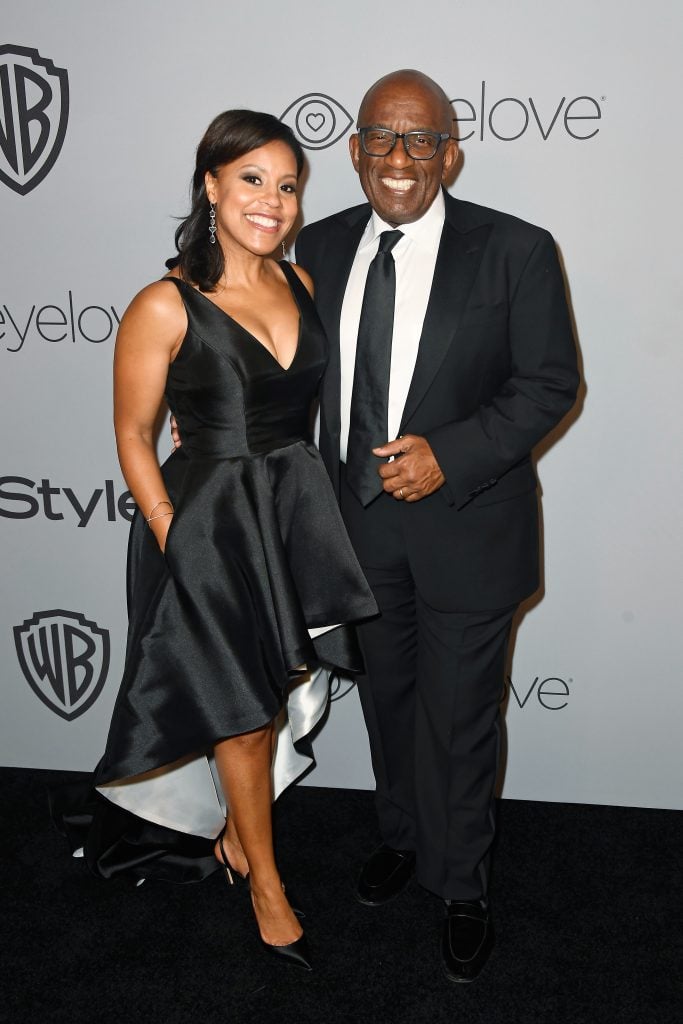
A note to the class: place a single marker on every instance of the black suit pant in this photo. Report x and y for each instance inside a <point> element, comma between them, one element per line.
<point>431,700</point>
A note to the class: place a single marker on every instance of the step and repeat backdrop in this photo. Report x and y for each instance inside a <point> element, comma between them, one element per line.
<point>569,116</point>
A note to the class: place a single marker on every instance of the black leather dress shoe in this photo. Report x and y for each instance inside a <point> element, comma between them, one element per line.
<point>467,939</point>
<point>385,875</point>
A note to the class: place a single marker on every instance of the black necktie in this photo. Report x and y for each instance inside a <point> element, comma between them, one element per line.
<point>370,398</point>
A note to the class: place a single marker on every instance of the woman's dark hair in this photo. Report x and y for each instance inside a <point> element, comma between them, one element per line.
<point>229,136</point>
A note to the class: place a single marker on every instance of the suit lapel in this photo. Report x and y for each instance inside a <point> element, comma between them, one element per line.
<point>457,264</point>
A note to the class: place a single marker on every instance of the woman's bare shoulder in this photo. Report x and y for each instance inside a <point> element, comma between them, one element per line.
<point>156,315</point>
<point>160,298</point>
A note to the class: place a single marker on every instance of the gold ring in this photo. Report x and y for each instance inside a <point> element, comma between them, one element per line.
<point>400,491</point>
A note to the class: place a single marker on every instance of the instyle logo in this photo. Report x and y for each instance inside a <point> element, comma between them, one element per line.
<point>552,693</point>
<point>65,660</point>
<point>23,498</point>
<point>34,111</point>
<point>69,322</point>
<point>508,118</point>
<point>317,120</point>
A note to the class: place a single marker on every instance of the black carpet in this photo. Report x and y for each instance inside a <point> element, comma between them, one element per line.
<point>587,903</point>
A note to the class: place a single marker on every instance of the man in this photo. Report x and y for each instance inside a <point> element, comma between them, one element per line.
<point>451,356</point>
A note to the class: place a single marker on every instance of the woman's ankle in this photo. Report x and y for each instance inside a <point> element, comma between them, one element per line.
<point>268,888</point>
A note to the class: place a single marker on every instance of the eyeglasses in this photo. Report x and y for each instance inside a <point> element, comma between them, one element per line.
<point>418,145</point>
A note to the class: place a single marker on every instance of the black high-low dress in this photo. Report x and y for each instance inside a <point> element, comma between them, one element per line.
<point>258,579</point>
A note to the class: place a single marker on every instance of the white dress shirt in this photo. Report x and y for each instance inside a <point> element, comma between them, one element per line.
<point>415,260</point>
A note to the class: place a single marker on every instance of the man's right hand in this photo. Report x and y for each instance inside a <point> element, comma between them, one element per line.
<point>175,433</point>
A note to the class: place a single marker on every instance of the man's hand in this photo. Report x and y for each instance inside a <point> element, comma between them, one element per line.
<point>414,472</point>
<point>175,433</point>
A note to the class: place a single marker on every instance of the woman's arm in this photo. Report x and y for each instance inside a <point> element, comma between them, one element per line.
<point>150,335</point>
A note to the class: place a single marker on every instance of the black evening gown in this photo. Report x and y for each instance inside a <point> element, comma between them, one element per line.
<point>258,579</point>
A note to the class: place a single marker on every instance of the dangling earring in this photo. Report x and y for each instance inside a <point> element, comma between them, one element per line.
<point>212,223</point>
<point>284,251</point>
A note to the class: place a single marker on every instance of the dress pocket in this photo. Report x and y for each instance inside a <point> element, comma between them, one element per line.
<point>171,530</point>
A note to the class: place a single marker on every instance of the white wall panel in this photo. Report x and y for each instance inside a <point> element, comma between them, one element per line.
<point>145,79</point>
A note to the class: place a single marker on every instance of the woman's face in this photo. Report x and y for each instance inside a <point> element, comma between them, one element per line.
<point>255,197</point>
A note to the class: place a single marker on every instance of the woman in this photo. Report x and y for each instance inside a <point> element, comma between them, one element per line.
<point>239,568</point>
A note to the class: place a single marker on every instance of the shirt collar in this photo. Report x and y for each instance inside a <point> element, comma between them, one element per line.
<point>424,232</point>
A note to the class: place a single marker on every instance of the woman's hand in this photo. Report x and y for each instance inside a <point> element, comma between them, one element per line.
<point>175,433</point>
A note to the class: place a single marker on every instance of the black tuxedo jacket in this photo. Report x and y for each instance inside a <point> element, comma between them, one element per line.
<point>495,371</point>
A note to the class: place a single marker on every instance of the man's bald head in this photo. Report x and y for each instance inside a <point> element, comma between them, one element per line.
<point>408,81</point>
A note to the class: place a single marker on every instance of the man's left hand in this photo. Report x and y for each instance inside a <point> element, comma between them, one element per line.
<point>414,472</point>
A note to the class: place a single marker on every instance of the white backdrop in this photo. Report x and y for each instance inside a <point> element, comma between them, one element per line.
<point>570,118</point>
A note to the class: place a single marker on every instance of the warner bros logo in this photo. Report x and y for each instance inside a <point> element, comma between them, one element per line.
<point>65,659</point>
<point>34,110</point>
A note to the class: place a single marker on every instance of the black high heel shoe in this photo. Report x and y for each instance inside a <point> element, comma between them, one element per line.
<point>230,871</point>
<point>295,953</point>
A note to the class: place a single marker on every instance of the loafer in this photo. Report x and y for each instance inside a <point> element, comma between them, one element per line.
<point>467,939</point>
<point>385,875</point>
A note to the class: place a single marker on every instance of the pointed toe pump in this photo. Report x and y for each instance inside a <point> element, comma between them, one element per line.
<point>295,953</point>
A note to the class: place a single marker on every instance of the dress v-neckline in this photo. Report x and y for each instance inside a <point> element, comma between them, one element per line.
<point>245,330</point>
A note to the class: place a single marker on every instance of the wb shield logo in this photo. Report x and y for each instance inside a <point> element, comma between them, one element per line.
<point>34,110</point>
<point>317,120</point>
<point>65,659</point>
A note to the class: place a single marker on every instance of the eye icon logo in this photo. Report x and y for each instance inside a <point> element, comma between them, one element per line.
<point>317,120</point>
<point>34,110</point>
<point>65,660</point>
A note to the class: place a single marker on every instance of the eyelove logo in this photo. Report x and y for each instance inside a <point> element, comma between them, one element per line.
<point>64,658</point>
<point>551,693</point>
<point>17,501</point>
<point>508,118</point>
<point>70,322</point>
<point>34,111</point>
<point>317,120</point>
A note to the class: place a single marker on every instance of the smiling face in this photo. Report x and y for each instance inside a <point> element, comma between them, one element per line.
<point>255,197</point>
<point>399,188</point>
